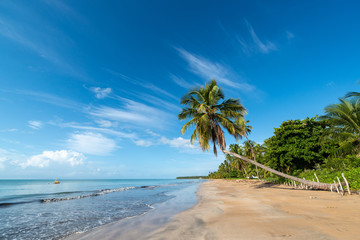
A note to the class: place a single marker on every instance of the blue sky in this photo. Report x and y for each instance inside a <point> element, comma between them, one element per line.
<point>91,89</point>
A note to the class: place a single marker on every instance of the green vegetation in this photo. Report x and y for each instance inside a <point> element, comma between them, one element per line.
<point>208,111</point>
<point>326,146</point>
<point>296,145</point>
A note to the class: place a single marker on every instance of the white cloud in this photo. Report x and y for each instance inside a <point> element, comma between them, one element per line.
<point>10,156</point>
<point>91,143</point>
<point>209,70</point>
<point>105,123</point>
<point>35,124</point>
<point>2,160</point>
<point>101,92</point>
<point>61,156</point>
<point>177,142</point>
<point>144,143</point>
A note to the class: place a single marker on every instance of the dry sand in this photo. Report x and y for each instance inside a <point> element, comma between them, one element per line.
<point>255,210</point>
<point>246,210</point>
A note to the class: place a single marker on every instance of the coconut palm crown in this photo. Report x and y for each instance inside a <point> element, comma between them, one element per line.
<point>208,111</point>
<point>344,119</point>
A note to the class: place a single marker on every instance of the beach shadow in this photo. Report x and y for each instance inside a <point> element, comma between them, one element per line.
<point>276,185</point>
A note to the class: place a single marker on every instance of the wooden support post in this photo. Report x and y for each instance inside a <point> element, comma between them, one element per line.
<point>335,184</point>
<point>340,186</point>
<point>306,187</point>
<point>347,184</point>
<point>316,177</point>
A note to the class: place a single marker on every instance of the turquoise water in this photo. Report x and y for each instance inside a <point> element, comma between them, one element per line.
<point>39,209</point>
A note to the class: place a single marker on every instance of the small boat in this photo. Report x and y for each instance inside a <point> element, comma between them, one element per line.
<point>56,182</point>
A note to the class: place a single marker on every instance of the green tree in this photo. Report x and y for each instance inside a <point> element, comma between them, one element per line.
<point>344,121</point>
<point>296,145</point>
<point>208,114</point>
<point>246,130</point>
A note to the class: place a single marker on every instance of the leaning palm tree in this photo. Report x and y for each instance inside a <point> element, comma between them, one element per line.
<point>344,121</point>
<point>209,111</point>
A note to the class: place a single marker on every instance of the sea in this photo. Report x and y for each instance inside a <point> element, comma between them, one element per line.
<point>40,209</point>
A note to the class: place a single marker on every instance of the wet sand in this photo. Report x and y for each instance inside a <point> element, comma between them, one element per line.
<point>246,210</point>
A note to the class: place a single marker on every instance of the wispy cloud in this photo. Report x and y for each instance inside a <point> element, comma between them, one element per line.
<point>62,7</point>
<point>142,83</point>
<point>61,156</point>
<point>207,70</point>
<point>181,82</point>
<point>108,131</point>
<point>133,113</point>
<point>35,124</point>
<point>9,130</point>
<point>330,84</point>
<point>91,143</point>
<point>159,102</point>
<point>289,35</point>
<point>101,92</point>
<point>52,99</point>
<point>262,46</point>
<point>254,44</point>
<point>38,36</point>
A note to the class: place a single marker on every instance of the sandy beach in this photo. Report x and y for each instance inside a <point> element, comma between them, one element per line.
<point>229,209</point>
<point>254,210</point>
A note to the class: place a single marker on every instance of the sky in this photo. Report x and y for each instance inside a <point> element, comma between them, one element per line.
<point>91,89</point>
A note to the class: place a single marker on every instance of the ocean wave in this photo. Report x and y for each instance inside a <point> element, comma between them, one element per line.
<point>99,193</point>
<point>8,204</point>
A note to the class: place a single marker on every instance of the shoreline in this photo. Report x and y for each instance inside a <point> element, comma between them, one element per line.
<point>143,225</point>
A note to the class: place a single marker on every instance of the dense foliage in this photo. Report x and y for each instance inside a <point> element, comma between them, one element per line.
<point>296,145</point>
<point>327,146</point>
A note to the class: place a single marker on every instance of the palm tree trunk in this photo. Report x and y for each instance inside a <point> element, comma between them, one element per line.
<point>314,185</point>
